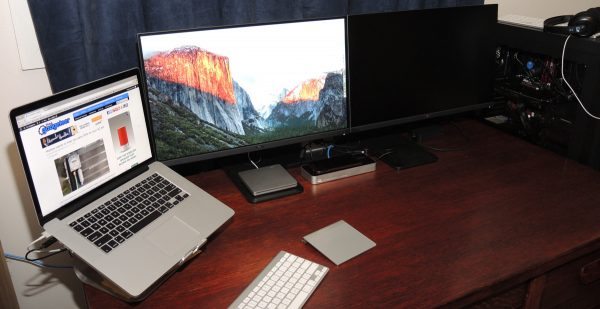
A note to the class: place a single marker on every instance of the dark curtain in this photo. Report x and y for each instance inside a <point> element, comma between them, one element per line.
<point>82,40</point>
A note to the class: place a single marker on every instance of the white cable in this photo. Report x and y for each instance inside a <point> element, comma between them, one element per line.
<point>252,162</point>
<point>562,72</point>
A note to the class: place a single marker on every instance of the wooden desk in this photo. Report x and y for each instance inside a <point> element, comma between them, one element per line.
<point>478,226</point>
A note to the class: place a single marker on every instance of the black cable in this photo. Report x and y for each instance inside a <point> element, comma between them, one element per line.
<point>36,263</point>
<point>387,152</point>
<point>350,151</point>
<point>43,257</point>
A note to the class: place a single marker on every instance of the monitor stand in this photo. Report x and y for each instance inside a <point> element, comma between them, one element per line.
<point>264,183</point>
<point>398,151</point>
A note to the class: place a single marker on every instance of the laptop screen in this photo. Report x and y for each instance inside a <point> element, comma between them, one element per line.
<point>73,142</point>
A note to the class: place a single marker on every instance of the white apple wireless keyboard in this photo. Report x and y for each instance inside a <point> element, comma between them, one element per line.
<point>286,282</point>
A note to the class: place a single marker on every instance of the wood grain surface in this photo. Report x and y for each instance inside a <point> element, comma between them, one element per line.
<point>477,222</point>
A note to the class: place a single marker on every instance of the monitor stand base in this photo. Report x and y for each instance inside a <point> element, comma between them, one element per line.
<point>398,151</point>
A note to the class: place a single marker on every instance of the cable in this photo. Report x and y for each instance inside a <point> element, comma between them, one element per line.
<point>252,162</point>
<point>44,241</point>
<point>329,151</point>
<point>562,72</point>
<point>387,152</point>
<point>51,253</point>
<point>36,263</point>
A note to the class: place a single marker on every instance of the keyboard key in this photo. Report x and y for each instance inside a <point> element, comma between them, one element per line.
<point>151,217</point>
<point>94,236</point>
<point>113,243</point>
<point>86,232</point>
<point>127,234</point>
<point>102,240</point>
<point>174,192</point>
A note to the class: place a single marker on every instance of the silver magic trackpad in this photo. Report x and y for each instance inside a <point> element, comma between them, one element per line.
<point>174,236</point>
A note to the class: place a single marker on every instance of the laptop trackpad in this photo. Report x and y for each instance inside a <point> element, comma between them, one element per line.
<point>174,236</point>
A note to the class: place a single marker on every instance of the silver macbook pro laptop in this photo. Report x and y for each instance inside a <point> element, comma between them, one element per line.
<point>97,188</point>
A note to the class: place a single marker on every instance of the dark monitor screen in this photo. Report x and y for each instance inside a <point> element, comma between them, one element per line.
<point>411,65</point>
<point>222,91</point>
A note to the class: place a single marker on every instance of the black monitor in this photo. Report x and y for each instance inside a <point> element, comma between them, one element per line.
<point>413,65</point>
<point>216,92</point>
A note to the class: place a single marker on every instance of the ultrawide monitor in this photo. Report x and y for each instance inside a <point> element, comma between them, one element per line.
<point>413,65</point>
<point>221,91</point>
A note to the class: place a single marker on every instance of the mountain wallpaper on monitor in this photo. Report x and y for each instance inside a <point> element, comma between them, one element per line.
<point>198,106</point>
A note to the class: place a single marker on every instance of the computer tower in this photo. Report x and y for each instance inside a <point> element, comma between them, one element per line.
<point>535,102</point>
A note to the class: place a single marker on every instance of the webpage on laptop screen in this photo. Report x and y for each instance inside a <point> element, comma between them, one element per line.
<point>73,148</point>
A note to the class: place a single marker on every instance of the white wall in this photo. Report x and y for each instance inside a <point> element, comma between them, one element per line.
<point>18,226</point>
<point>543,8</point>
<point>35,287</point>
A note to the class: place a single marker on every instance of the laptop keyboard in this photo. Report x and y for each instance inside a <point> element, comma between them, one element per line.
<point>113,222</point>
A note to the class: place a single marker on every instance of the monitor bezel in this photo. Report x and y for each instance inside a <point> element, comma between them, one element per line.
<point>222,153</point>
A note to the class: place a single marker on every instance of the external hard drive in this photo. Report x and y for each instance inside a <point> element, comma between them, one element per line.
<point>267,179</point>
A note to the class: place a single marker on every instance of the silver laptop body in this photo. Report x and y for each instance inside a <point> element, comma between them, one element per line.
<point>88,147</point>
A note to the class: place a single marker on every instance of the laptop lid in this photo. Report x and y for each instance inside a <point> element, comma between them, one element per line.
<point>79,144</point>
